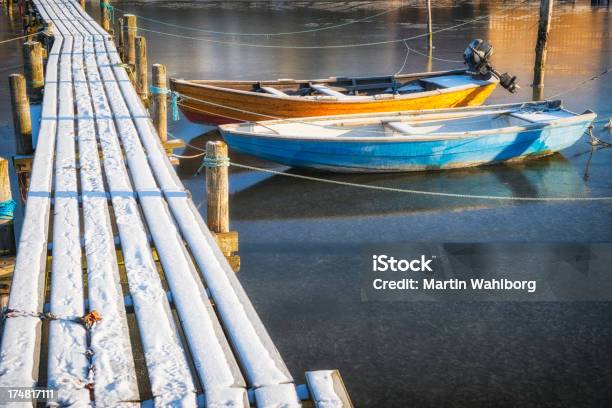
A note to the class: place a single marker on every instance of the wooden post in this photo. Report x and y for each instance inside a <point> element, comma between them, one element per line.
<point>142,70</point>
<point>21,114</point>
<point>429,25</point>
<point>104,15</point>
<point>82,2</point>
<point>121,40</point>
<point>9,8</point>
<point>7,239</point>
<point>217,191</point>
<point>546,7</point>
<point>33,67</point>
<point>129,38</point>
<point>160,109</point>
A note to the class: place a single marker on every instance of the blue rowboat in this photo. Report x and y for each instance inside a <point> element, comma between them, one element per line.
<point>413,140</point>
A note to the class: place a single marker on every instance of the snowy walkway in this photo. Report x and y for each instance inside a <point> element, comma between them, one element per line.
<point>117,205</point>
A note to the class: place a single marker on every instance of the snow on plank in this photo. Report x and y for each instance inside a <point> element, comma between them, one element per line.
<point>327,389</point>
<point>171,381</point>
<point>20,353</point>
<point>258,354</point>
<point>212,355</point>
<point>68,365</point>
<point>115,375</point>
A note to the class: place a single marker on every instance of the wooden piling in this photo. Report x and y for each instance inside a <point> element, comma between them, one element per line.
<point>546,7</point>
<point>429,25</point>
<point>129,38</point>
<point>104,15</point>
<point>33,67</point>
<point>217,191</point>
<point>7,240</point>
<point>160,109</point>
<point>142,70</point>
<point>21,114</point>
<point>121,40</point>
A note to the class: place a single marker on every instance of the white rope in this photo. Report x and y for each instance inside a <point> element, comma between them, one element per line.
<point>195,156</point>
<point>405,59</point>
<point>242,44</point>
<point>420,192</point>
<point>593,78</point>
<point>16,38</point>
<point>434,58</point>
<point>236,34</point>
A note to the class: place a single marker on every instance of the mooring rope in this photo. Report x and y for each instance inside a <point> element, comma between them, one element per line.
<point>7,209</point>
<point>593,78</point>
<point>313,47</point>
<point>15,39</point>
<point>419,192</point>
<point>174,99</point>
<point>237,34</point>
<point>464,23</point>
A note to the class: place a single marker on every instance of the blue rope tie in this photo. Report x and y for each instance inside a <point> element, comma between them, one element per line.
<point>212,162</point>
<point>174,98</point>
<point>111,10</point>
<point>6,209</point>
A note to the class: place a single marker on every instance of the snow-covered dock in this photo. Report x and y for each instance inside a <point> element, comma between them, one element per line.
<point>97,140</point>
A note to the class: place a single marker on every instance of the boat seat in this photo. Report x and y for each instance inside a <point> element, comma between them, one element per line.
<point>534,117</point>
<point>408,88</point>
<point>327,91</point>
<point>273,91</point>
<point>406,129</point>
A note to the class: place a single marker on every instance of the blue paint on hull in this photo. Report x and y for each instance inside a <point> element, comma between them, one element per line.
<point>396,156</point>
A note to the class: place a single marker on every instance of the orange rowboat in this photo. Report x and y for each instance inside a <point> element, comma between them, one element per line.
<point>220,102</point>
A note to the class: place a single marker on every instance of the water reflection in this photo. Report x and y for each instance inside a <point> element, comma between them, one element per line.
<point>279,197</point>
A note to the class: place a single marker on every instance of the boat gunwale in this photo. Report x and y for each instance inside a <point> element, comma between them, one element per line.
<point>326,99</point>
<point>561,122</point>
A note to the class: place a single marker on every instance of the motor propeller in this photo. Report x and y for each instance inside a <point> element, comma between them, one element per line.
<point>477,57</point>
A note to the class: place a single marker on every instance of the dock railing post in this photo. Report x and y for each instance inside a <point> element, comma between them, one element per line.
<point>21,114</point>
<point>429,26</point>
<point>7,236</point>
<point>217,191</point>
<point>129,38</point>
<point>121,40</point>
<point>33,67</point>
<point>217,199</point>
<point>104,15</point>
<point>546,7</point>
<point>142,70</point>
<point>160,98</point>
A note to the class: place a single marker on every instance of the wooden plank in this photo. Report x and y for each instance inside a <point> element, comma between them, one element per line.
<point>206,355</point>
<point>213,359</point>
<point>167,366</point>
<point>259,357</point>
<point>68,365</point>
<point>327,91</point>
<point>271,90</point>
<point>274,396</point>
<point>327,389</point>
<point>115,374</point>
<point>168,369</point>
<point>20,353</point>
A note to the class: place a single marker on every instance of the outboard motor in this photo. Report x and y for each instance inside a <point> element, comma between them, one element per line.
<point>477,56</point>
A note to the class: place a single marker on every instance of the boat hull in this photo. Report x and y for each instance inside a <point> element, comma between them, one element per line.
<point>402,156</point>
<point>215,105</point>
